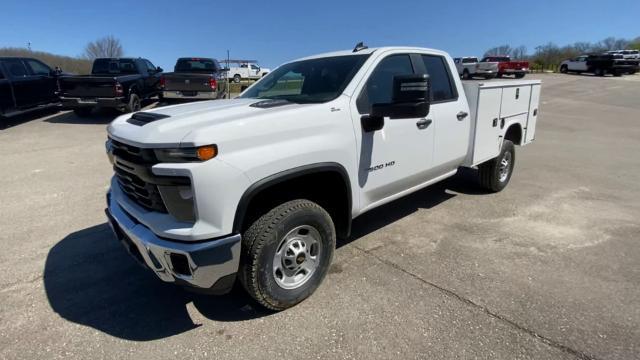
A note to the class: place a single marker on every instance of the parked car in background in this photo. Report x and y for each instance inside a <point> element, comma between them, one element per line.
<point>26,84</point>
<point>258,188</point>
<point>250,71</point>
<point>626,54</point>
<point>601,65</point>
<point>194,79</point>
<point>469,67</point>
<point>505,66</point>
<point>119,83</point>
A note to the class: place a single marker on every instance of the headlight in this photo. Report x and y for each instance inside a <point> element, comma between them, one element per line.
<point>195,154</point>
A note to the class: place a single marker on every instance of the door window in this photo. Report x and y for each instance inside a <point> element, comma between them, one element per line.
<point>150,67</point>
<point>38,68</point>
<point>15,67</point>
<point>379,87</point>
<point>440,77</point>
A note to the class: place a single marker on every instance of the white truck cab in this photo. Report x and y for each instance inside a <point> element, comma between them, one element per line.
<point>258,188</point>
<point>247,70</point>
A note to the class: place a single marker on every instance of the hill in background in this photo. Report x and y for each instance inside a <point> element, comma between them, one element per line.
<point>68,64</point>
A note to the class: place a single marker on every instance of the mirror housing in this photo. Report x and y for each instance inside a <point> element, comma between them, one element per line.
<point>411,98</point>
<point>159,69</point>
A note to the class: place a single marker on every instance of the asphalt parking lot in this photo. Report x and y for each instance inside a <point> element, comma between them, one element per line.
<point>547,269</point>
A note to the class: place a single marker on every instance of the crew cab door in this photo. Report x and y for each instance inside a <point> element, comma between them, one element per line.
<point>22,82</point>
<point>151,77</point>
<point>398,156</point>
<point>449,112</point>
<point>43,82</point>
<point>6,95</point>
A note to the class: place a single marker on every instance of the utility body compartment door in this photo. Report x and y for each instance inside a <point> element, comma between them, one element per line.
<point>494,107</point>
<point>532,119</point>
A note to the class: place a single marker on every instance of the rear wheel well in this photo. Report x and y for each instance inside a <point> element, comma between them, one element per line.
<point>514,133</point>
<point>327,188</point>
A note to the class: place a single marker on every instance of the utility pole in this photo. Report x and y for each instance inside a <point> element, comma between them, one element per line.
<point>29,45</point>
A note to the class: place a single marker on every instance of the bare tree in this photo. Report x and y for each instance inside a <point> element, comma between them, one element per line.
<point>519,53</point>
<point>499,50</point>
<point>107,46</point>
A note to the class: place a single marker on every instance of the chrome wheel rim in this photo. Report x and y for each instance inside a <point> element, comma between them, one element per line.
<point>297,257</point>
<point>505,166</point>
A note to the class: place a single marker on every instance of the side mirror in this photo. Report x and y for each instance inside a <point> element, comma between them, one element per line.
<point>159,69</point>
<point>56,72</point>
<point>411,98</point>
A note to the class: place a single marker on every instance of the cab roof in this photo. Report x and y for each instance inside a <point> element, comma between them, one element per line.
<point>369,51</point>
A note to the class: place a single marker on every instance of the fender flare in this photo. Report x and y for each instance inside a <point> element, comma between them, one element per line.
<point>271,180</point>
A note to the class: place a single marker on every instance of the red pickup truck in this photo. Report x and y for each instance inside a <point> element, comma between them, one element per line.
<point>508,67</point>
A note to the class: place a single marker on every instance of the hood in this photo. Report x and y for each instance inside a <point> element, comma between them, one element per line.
<point>169,125</point>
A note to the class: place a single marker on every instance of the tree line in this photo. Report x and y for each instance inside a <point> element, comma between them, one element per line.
<point>108,46</point>
<point>550,55</point>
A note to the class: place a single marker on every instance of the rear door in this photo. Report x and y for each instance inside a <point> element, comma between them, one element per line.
<point>44,83</point>
<point>450,116</point>
<point>6,96</point>
<point>23,82</point>
<point>399,156</point>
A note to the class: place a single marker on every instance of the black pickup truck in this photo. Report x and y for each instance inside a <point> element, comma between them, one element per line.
<point>194,79</point>
<point>25,85</point>
<point>120,83</point>
<point>611,64</point>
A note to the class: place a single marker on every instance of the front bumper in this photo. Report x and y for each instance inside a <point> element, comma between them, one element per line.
<point>204,95</point>
<point>76,102</point>
<point>209,265</point>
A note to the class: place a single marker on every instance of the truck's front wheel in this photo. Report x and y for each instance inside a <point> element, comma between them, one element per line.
<point>496,173</point>
<point>286,253</point>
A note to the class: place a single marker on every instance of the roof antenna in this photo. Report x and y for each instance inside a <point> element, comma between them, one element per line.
<point>360,46</point>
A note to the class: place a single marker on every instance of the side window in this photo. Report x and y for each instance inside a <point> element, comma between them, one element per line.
<point>441,86</point>
<point>1,74</point>
<point>38,68</point>
<point>15,67</point>
<point>150,66</point>
<point>379,86</point>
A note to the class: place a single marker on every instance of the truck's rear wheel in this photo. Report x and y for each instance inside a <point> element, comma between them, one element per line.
<point>465,74</point>
<point>496,173</point>
<point>286,254</point>
<point>236,78</point>
<point>134,104</point>
<point>600,72</point>
<point>519,76</point>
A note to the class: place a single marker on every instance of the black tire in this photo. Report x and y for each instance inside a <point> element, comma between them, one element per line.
<point>83,112</point>
<point>466,75</point>
<point>600,72</point>
<point>491,176</point>
<point>134,104</point>
<point>498,75</point>
<point>564,69</point>
<point>519,76</point>
<point>236,78</point>
<point>266,236</point>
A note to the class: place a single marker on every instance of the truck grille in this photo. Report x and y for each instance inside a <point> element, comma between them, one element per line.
<point>132,166</point>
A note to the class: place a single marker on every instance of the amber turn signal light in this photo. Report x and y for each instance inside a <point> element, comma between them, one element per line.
<point>205,153</point>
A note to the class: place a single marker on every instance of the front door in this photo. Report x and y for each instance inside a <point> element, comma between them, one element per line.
<point>399,156</point>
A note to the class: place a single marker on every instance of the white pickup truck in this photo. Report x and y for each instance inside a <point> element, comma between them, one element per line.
<point>258,188</point>
<point>246,71</point>
<point>469,67</point>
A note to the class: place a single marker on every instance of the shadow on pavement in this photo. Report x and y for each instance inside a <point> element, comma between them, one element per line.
<point>89,278</point>
<point>6,123</point>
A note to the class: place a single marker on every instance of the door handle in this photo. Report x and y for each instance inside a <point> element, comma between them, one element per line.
<point>461,115</point>
<point>423,123</point>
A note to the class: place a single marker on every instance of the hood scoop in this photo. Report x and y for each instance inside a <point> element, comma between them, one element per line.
<point>266,104</point>
<point>143,118</point>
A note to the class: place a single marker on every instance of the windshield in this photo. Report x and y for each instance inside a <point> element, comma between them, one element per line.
<point>308,81</point>
<point>196,65</point>
<point>114,66</point>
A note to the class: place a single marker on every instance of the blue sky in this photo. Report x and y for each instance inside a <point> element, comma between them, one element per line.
<point>276,31</point>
